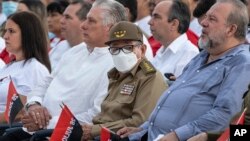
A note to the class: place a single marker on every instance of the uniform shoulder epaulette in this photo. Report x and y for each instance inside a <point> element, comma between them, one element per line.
<point>147,67</point>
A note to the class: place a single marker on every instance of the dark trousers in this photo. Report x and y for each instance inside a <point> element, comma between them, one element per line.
<point>15,134</point>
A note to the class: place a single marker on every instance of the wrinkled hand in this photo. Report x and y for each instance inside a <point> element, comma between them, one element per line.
<point>169,137</point>
<point>126,131</point>
<point>200,137</point>
<point>29,123</point>
<point>86,132</point>
<point>40,115</point>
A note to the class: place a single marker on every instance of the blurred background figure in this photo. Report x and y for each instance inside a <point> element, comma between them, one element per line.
<point>194,26</point>
<point>201,9</point>
<point>54,14</point>
<point>46,2</point>
<point>2,15</point>
<point>35,6</point>
<point>143,16</point>
<point>9,7</point>
<point>89,1</point>
<point>247,2</point>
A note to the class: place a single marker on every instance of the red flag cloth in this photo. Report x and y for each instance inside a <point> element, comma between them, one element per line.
<point>13,104</point>
<point>240,121</point>
<point>6,57</point>
<point>67,127</point>
<point>155,45</point>
<point>105,134</point>
<point>192,37</point>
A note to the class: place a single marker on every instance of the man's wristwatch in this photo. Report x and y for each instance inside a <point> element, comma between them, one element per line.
<point>30,104</point>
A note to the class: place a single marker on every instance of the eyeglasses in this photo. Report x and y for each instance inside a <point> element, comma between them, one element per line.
<point>126,49</point>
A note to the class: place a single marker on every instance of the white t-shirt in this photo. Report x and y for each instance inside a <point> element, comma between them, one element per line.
<point>176,56</point>
<point>24,76</point>
<point>80,81</point>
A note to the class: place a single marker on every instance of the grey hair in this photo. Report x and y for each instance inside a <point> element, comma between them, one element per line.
<point>113,11</point>
<point>83,11</point>
<point>238,16</point>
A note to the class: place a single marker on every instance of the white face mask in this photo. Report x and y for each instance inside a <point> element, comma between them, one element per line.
<point>124,62</point>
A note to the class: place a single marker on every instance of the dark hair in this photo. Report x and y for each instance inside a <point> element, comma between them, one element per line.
<point>37,7</point>
<point>33,36</point>
<point>83,11</point>
<point>57,6</point>
<point>202,7</point>
<point>132,6</point>
<point>245,2</point>
<point>180,11</point>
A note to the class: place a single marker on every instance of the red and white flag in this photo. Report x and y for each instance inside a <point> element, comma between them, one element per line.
<point>67,127</point>
<point>13,105</point>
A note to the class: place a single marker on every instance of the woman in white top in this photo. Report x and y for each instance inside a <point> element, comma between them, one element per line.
<point>25,38</point>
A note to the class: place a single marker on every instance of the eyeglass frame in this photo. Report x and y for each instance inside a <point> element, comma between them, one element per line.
<point>122,48</point>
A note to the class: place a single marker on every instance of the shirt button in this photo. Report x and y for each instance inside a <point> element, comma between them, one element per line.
<point>216,68</point>
<point>183,81</point>
<point>158,107</point>
<point>169,92</point>
<point>151,123</point>
<point>198,71</point>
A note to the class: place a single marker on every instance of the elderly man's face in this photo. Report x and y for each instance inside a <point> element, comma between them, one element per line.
<point>215,27</point>
<point>95,33</point>
<point>128,46</point>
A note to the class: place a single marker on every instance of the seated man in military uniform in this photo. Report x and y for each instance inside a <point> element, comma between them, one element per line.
<point>134,84</point>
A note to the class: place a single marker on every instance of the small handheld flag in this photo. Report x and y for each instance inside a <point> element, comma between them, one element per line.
<point>108,135</point>
<point>67,127</point>
<point>14,104</point>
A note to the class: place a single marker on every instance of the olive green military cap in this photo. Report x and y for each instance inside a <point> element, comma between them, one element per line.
<point>125,31</point>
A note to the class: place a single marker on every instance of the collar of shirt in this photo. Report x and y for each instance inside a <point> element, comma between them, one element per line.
<point>176,45</point>
<point>232,52</point>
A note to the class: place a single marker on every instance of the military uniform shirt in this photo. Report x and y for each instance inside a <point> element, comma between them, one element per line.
<point>131,98</point>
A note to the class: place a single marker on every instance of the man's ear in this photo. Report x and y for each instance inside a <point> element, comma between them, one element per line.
<point>175,24</point>
<point>143,49</point>
<point>231,29</point>
<point>109,26</point>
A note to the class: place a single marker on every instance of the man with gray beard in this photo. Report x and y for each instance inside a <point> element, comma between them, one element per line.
<point>209,92</point>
